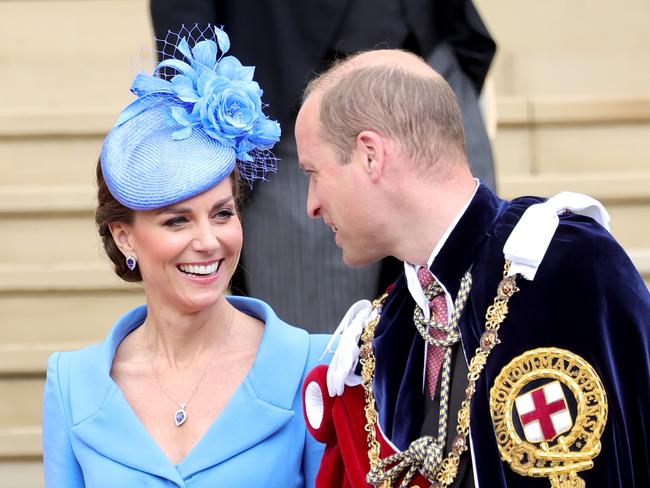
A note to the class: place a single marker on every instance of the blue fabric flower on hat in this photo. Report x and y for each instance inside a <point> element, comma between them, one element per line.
<point>217,93</point>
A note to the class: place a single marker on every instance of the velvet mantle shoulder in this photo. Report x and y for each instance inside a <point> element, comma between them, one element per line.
<point>587,298</point>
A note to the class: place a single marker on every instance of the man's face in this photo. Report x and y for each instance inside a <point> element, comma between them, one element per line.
<point>340,194</point>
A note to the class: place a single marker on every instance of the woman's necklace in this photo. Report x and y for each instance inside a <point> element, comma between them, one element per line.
<point>419,455</point>
<point>180,416</point>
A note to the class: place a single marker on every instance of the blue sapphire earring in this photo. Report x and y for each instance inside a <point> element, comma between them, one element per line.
<point>131,262</point>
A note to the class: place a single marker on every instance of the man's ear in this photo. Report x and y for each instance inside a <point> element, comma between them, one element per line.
<point>372,147</point>
<point>123,237</point>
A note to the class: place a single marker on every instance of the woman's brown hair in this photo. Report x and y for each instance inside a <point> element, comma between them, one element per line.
<point>109,210</point>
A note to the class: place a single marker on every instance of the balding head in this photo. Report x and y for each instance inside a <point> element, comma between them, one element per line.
<point>396,94</point>
<point>405,60</point>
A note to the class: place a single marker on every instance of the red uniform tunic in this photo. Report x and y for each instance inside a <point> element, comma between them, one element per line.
<point>345,462</point>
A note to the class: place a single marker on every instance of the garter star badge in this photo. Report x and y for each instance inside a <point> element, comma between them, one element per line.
<point>549,409</point>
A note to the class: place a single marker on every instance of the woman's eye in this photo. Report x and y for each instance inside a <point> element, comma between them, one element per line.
<point>175,222</point>
<point>225,213</point>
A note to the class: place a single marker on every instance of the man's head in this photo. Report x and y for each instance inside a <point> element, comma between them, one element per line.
<point>371,128</point>
<point>395,93</point>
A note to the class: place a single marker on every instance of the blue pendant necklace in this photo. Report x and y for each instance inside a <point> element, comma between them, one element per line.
<point>180,416</point>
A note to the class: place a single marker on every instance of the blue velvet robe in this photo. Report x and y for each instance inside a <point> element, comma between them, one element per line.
<point>93,438</point>
<point>587,297</point>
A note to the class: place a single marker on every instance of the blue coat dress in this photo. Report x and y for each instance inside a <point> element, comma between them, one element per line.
<point>93,438</point>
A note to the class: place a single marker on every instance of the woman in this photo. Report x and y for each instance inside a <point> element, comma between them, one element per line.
<point>195,389</point>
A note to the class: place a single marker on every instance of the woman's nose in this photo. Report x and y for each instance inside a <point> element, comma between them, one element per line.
<point>206,239</point>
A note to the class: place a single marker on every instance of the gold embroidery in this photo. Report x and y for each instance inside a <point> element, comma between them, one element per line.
<point>381,473</point>
<point>561,457</point>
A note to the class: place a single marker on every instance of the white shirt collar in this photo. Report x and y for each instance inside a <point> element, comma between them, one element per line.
<point>410,270</point>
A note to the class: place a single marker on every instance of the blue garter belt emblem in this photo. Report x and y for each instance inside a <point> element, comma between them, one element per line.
<point>549,409</point>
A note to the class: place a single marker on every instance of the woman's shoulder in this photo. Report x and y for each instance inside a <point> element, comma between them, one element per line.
<point>318,353</point>
<point>283,342</point>
<point>85,372</point>
<point>312,346</point>
<point>70,359</point>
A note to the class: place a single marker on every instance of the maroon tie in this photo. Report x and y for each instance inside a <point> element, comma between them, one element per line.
<point>438,308</point>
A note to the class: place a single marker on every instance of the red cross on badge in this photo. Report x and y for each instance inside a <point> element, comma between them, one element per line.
<point>543,413</point>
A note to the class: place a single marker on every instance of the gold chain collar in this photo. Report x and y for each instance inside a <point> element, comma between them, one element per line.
<point>447,470</point>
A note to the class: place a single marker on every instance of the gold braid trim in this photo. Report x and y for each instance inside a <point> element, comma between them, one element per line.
<point>367,376</point>
<point>447,470</point>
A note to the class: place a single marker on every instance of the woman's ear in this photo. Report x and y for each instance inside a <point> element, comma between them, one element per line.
<point>123,237</point>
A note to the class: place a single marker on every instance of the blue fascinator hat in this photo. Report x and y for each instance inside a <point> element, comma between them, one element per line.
<point>196,118</point>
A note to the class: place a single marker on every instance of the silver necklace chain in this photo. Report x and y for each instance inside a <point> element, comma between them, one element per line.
<point>180,416</point>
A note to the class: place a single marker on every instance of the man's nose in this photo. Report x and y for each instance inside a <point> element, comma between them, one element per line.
<point>313,205</point>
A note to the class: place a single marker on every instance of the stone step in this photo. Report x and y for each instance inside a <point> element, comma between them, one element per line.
<point>21,473</point>
<point>539,136</point>
<point>20,415</point>
<point>49,239</point>
<point>534,137</point>
<point>49,159</point>
<point>559,47</point>
<point>48,321</point>
<point>67,53</point>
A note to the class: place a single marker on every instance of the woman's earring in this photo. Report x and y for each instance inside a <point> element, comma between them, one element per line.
<point>131,262</point>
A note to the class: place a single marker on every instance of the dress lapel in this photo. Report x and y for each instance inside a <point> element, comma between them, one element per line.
<point>260,406</point>
<point>102,418</point>
<point>245,422</point>
<point>264,402</point>
<point>116,433</point>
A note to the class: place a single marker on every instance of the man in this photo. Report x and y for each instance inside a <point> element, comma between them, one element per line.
<point>516,344</point>
<point>288,41</point>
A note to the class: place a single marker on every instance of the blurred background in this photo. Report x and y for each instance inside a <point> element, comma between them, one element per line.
<point>567,103</point>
